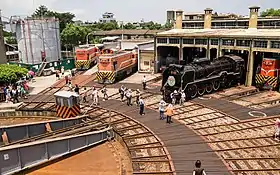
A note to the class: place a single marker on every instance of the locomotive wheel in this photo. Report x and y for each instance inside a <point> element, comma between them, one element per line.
<point>192,90</point>
<point>209,88</point>
<point>216,85</point>
<point>201,90</point>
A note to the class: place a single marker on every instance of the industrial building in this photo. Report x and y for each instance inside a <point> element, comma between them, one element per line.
<point>146,57</point>
<point>38,40</point>
<point>252,44</point>
<point>222,21</point>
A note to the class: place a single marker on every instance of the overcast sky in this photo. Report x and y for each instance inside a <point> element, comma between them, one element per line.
<point>130,10</point>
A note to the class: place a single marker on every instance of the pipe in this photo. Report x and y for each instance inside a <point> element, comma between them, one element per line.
<point>25,44</point>
<point>30,41</point>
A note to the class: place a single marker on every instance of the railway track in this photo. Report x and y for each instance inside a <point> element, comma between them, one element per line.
<point>148,154</point>
<point>247,147</point>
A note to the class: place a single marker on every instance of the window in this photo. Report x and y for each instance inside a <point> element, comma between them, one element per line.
<point>146,63</point>
<point>244,43</point>
<point>214,41</point>
<point>201,41</point>
<point>188,41</point>
<point>260,44</point>
<point>275,44</point>
<point>228,42</point>
<point>174,41</point>
<point>162,40</point>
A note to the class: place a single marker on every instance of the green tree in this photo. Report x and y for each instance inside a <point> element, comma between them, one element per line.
<point>129,26</point>
<point>270,12</point>
<point>11,73</point>
<point>10,40</point>
<point>74,35</point>
<point>64,18</point>
<point>167,26</point>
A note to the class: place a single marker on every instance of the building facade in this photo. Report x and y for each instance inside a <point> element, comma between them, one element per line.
<point>146,57</point>
<point>107,17</point>
<point>3,58</point>
<point>221,21</point>
<point>251,44</point>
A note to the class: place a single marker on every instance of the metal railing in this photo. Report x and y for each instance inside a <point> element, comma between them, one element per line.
<point>23,131</point>
<point>17,158</point>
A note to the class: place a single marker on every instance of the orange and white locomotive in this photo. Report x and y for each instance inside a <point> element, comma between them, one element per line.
<point>115,64</point>
<point>268,73</point>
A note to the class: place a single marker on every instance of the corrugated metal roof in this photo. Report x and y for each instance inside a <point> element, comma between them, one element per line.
<point>250,33</point>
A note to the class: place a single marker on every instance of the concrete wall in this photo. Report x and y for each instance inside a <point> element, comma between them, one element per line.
<point>146,54</point>
<point>3,58</point>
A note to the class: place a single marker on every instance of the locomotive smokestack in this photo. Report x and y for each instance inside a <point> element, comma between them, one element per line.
<point>179,19</point>
<point>253,20</point>
<point>208,18</point>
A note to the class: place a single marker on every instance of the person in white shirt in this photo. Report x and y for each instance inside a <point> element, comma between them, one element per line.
<point>144,82</point>
<point>277,129</point>
<point>95,95</point>
<point>141,104</point>
<point>162,104</point>
<point>128,97</point>
<point>137,96</point>
<point>183,97</point>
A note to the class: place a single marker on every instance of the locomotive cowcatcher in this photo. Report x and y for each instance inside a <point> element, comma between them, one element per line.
<point>202,76</point>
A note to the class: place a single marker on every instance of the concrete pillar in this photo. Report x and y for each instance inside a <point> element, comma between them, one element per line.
<point>219,51</point>
<point>208,18</point>
<point>3,58</point>
<point>179,19</point>
<point>253,20</point>
<point>181,50</point>
<point>208,49</point>
<point>250,68</point>
<point>155,56</point>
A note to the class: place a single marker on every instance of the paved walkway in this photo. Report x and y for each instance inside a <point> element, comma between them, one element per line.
<point>184,146</point>
<point>138,77</point>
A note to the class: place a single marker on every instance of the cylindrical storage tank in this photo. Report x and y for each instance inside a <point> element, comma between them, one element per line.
<point>38,39</point>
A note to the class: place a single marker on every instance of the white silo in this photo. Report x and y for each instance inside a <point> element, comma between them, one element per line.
<point>38,38</point>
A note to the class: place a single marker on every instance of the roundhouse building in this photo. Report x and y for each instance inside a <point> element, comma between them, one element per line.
<point>252,43</point>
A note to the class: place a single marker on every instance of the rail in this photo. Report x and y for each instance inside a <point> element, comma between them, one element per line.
<point>18,158</point>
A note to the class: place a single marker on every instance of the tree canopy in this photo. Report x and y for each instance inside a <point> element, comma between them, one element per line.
<point>11,73</point>
<point>270,12</point>
<point>64,18</point>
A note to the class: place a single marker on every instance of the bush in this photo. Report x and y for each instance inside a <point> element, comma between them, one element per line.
<point>11,73</point>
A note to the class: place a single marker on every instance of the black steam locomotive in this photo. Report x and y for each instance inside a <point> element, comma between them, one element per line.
<point>202,76</point>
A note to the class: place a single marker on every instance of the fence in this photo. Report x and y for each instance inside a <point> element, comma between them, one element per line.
<point>66,63</point>
<point>17,158</point>
<point>23,131</point>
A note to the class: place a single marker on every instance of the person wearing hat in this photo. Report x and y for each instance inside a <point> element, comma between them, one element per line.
<point>198,170</point>
<point>161,109</point>
<point>173,96</point>
<point>137,96</point>
<point>128,97</point>
<point>277,129</point>
<point>183,97</point>
<point>169,112</point>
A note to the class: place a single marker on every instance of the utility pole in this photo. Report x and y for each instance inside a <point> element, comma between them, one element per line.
<point>3,58</point>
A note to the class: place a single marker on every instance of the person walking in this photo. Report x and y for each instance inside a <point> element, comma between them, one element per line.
<point>15,95</point>
<point>62,70</point>
<point>66,80</point>
<point>121,91</point>
<point>277,130</point>
<point>57,75</point>
<point>141,105</point>
<point>161,109</point>
<point>198,170</point>
<point>77,89</point>
<point>173,97</point>
<point>104,92</point>
<point>85,95</point>
<point>137,95</point>
<point>169,112</point>
<point>128,95</point>
<point>183,97</point>
<point>144,82</point>
<point>95,96</point>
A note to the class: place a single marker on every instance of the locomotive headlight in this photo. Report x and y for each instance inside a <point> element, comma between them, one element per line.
<point>171,81</point>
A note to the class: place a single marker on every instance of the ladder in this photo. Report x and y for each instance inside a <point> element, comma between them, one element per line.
<point>41,68</point>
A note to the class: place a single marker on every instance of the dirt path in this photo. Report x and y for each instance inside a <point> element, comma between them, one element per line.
<point>100,160</point>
